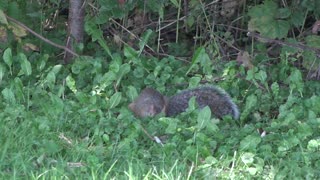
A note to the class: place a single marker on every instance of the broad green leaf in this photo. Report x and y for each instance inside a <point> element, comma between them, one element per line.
<point>252,170</point>
<point>313,40</point>
<point>129,52</point>
<point>314,145</point>
<point>175,3</point>
<point>114,100</point>
<point>96,35</point>
<point>18,88</point>
<point>250,143</point>
<point>56,69</point>
<point>194,81</point>
<point>296,81</point>
<point>107,79</point>
<point>114,66</point>
<point>3,19</point>
<point>50,80</point>
<point>144,40</point>
<point>275,89</point>
<point>42,62</point>
<point>8,96</point>
<point>247,158</point>
<point>124,69</point>
<point>51,147</point>
<point>7,57</point>
<point>264,20</point>
<point>262,76</point>
<point>204,117</point>
<point>132,93</point>
<point>196,58</point>
<point>71,83</point>
<point>2,72</point>
<point>25,64</point>
<point>172,126</point>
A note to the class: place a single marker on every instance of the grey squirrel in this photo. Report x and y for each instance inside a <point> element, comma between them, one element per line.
<point>151,102</point>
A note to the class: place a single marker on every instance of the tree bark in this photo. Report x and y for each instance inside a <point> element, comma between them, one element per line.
<point>75,26</point>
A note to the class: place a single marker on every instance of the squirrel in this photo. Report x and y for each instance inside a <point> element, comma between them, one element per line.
<point>151,102</point>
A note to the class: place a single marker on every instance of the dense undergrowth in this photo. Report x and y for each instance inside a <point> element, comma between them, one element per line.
<point>72,121</point>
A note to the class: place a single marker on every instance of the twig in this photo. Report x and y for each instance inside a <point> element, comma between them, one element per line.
<point>41,37</point>
<point>299,46</point>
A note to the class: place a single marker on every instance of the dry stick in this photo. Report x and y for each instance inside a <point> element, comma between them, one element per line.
<point>299,46</point>
<point>155,138</point>
<point>41,37</point>
<point>132,34</point>
<point>135,36</point>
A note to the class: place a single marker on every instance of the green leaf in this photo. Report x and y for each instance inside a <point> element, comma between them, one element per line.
<point>71,83</point>
<point>51,147</point>
<point>296,81</point>
<point>42,62</point>
<point>194,81</point>
<point>56,69</point>
<point>96,35</point>
<point>25,64</point>
<point>262,76</point>
<point>144,40</point>
<point>2,72</point>
<point>132,93</point>
<point>130,53</point>
<point>172,125</point>
<point>107,79</point>
<point>50,80</point>
<point>275,88</point>
<point>8,96</point>
<point>114,100</point>
<point>175,3</point>
<point>198,55</point>
<point>314,145</point>
<point>125,69</point>
<point>247,158</point>
<point>3,18</point>
<point>7,57</point>
<point>204,117</point>
<point>264,20</point>
<point>250,143</point>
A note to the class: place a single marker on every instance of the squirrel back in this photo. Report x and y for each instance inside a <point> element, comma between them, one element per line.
<point>150,102</point>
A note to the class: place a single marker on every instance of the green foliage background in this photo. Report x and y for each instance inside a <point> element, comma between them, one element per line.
<point>72,121</point>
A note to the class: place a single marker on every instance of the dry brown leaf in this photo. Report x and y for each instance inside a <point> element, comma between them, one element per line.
<point>244,59</point>
<point>316,27</point>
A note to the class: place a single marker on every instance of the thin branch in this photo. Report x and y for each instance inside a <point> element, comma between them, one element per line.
<point>41,37</point>
<point>299,46</point>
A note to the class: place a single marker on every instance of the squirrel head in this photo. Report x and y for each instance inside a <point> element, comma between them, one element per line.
<point>148,104</point>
